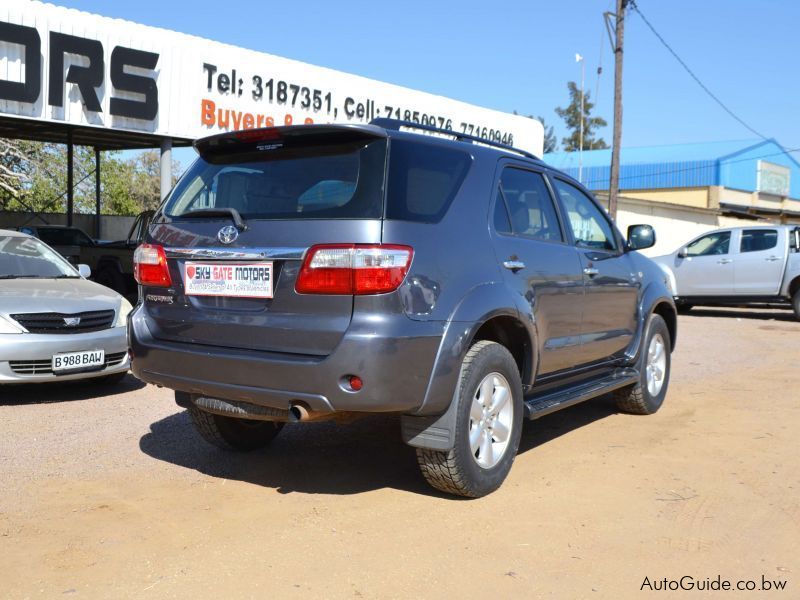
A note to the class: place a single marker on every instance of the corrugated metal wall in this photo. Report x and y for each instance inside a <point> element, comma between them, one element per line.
<point>699,173</point>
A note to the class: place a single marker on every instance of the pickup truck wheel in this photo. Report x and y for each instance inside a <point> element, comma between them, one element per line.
<point>488,426</point>
<point>796,304</point>
<point>646,397</point>
<point>231,433</point>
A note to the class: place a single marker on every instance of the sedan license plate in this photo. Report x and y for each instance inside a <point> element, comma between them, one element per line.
<point>238,280</point>
<point>78,361</point>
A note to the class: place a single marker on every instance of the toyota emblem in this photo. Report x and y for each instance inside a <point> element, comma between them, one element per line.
<point>228,234</point>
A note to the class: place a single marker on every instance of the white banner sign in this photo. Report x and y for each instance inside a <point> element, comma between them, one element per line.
<point>66,66</point>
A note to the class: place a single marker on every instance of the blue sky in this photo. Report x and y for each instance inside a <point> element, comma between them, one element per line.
<point>520,55</point>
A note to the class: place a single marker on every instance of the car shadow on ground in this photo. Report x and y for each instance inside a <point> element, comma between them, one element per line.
<point>64,391</point>
<point>331,458</point>
<point>764,314</point>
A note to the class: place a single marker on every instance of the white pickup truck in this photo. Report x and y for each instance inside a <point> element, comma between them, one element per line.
<point>737,266</point>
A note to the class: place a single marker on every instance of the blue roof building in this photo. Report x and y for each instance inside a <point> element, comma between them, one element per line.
<point>755,178</point>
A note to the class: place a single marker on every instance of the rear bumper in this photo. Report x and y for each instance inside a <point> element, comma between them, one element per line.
<point>394,357</point>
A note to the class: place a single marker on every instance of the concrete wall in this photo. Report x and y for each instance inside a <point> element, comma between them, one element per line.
<point>674,225</point>
<point>696,197</point>
<point>112,227</point>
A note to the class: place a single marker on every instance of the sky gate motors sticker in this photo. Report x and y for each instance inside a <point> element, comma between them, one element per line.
<point>242,280</point>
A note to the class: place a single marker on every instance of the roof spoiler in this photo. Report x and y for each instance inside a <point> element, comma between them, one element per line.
<point>276,138</point>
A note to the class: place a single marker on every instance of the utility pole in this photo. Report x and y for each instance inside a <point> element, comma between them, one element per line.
<point>617,43</point>
<point>579,58</point>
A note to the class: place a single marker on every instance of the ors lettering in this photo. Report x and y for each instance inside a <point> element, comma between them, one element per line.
<point>29,39</point>
<point>128,57</point>
<point>88,78</point>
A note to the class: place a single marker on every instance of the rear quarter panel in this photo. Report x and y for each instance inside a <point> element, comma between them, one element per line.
<point>450,257</point>
<point>454,277</point>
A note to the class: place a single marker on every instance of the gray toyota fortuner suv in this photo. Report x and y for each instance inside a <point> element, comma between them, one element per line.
<point>298,273</point>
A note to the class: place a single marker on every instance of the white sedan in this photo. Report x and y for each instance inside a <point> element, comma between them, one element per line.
<point>55,325</point>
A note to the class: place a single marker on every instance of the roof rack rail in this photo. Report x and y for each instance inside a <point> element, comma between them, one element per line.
<point>396,124</point>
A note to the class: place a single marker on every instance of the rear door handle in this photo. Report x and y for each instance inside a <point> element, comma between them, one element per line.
<point>772,258</point>
<point>590,271</point>
<point>724,261</point>
<point>514,265</point>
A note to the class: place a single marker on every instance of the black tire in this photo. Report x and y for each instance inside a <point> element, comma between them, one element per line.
<point>231,433</point>
<point>110,379</point>
<point>796,304</point>
<point>637,399</point>
<point>457,471</point>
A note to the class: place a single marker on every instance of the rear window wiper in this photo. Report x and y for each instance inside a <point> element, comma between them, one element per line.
<point>202,213</point>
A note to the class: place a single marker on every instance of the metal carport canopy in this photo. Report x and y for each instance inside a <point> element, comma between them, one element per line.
<point>101,139</point>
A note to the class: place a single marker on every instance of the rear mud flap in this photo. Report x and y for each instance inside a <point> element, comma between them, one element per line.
<point>434,433</point>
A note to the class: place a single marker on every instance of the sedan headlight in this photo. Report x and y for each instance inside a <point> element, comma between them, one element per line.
<point>8,326</point>
<point>122,314</point>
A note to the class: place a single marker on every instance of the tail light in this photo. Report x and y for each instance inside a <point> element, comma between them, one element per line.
<point>353,269</point>
<point>150,266</point>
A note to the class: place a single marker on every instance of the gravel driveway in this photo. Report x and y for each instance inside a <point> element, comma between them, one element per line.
<point>109,493</point>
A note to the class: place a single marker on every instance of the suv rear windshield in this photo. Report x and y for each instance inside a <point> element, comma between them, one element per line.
<point>333,181</point>
<point>326,181</point>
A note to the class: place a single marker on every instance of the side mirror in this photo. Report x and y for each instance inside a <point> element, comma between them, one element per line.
<point>641,237</point>
<point>85,271</point>
<point>683,252</point>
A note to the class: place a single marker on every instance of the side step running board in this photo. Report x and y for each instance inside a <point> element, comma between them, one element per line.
<point>553,401</point>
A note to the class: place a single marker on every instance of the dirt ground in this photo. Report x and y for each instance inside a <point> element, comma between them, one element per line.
<point>109,493</point>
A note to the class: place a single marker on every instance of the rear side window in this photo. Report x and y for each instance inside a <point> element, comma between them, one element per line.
<point>328,181</point>
<point>423,180</point>
<point>64,237</point>
<point>502,222</point>
<point>756,240</point>
<point>530,205</point>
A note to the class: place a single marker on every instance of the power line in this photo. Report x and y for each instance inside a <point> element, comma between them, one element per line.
<point>599,67</point>
<point>687,169</point>
<point>691,73</point>
<point>603,34</point>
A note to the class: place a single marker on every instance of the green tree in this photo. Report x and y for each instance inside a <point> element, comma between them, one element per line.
<point>550,139</point>
<point>572,118</point>
<point>33,178</point>
<point>13,168</point>
<point>117,196</point>
<point>146,179</point>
